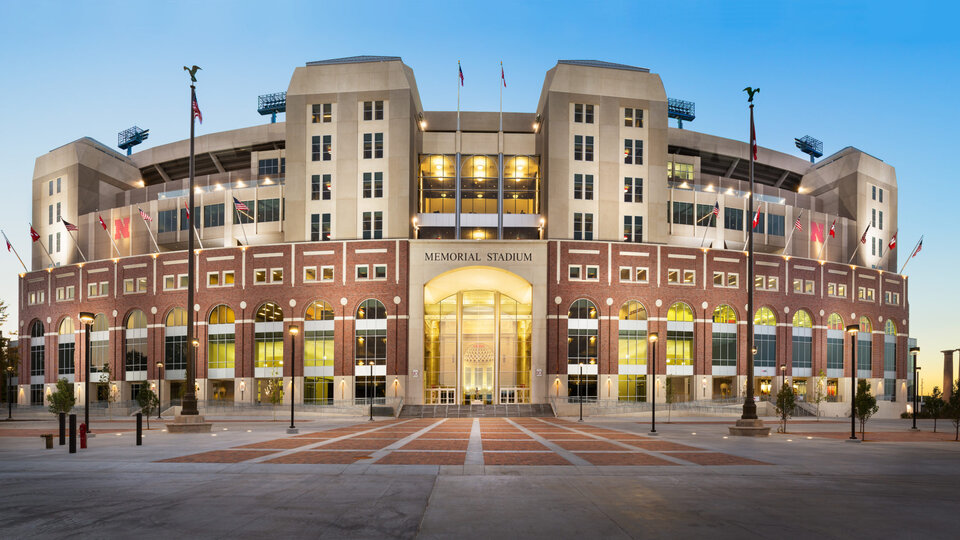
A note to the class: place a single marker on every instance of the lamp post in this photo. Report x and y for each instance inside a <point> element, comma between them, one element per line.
<point>10,391</point>
<point>783,375</point>
<point>653,402</point>
<point>914,351</point>
<point>159,388</point>
<point>195,387</point>
<point>87,319</point>
<point>370,388</point>
<point>852,329</point>
<point>294,330</point>
<point>580,391</point>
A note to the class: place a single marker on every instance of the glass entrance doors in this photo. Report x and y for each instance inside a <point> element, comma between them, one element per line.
<point>477,347</point>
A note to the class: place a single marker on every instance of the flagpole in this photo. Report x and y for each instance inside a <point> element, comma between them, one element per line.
<point>147,225</point>
<point>825,240</point>
<point>501,95</point>
<point>43,248</point>
<point>14,251</point>
<point>859,243</point>
<point>110,236</point>
<point>912,255</point>
<point>793,230</point>
<point>459,71</point>
<point>76,243</point>
<point>749,406</point>
<point>242,228</point>
<point>189,403</point>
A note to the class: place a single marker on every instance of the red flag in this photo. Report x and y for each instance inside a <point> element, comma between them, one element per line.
<point>102,223</point>
<point>756,218</point>
<point>33,234</point>
<point>144,215</point>
<point>753,135</point>
<point>9,247</point>
<point>196,109</point>
<point>188,209</point>
<point>68,225</point>
<point>893,242</point>
<point>833,228</point>
<point>459,69</point>
<point>863,239</point>
<point>502,76</point>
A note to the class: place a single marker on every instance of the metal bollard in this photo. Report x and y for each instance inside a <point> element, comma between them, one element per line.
<point>139,429</point>
<point>73,434</point>
<point>83,436</point>
<point>63,428</point>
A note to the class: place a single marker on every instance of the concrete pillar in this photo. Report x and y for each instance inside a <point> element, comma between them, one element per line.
<point>947,373</point>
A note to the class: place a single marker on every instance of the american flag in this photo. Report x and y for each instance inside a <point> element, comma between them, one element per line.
<point>196,109</point>
<point>716,208</point>
<point>144,215</point>
<point>69,226</point>
<point>240,206</point>
<point>798,225</point>
<point>919,245</point>
<point>459,69</point>
<point>863,239</point>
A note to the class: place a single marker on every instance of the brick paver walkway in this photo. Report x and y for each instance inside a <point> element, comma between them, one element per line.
<point>472,441</point>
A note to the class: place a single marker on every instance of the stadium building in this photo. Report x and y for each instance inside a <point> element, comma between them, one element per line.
<point>444,257</point>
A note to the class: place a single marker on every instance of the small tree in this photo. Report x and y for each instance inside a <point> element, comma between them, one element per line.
<point>148,401</point>
<point>933,404</point>
<point>63,399</point>
<point>820,392</point>
<point>274,391</point>
<point>786,403</point>
<point>953,408</point>
<point>865,405</point>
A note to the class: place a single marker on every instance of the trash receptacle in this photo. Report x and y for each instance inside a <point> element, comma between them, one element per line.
<point>47,440</point>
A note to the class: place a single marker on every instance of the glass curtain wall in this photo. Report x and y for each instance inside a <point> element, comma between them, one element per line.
<point>318,353</point>
<point>99,345</point>
<point>175,341</point>
<point>438,188</point>
<point>221,339</point>
<point>66,348</point>
<point>582,348</point>
<point>632,352</point>
<point>516,324</point>
<point>521,185</point>
<point>135,344</point>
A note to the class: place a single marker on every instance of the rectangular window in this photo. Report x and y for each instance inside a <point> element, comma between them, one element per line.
<point>228,278</point>
<point>260,276</point>
<point>578,186</point>
<point>583,187</point>
<point>213,279</point>
<point>372,185</point>
<point>775,224</point>
<point>58,215</point>
<point>268,210</point>
<point>213,215</point>
<point>309,274</point>
<point>873,217</point>
<point>322,113</point>
<point>325,227</point>
<point>798,285</point>
<point>326,273</point>
<point>808,287</point>
<point>682,213</point>
<point>166,221</point>
<point>577,156</point>
<point>705,217</point>
<point>633,152</point>
<point>276,275</point>
<point>51,187</point>
<point>880,191</point>
<point>171,282</point>
<point>633,117</point>
<point>841,290</point>
<point>626,274</point>
<point>588,148</point>
<point>315,148</point>
<point>673,276</point>
<point>268,166</point>
<point>58,243</point>
<point>593,273</point>
<point>733,219</point>
<point>628,189</point>
<point>718,279</point>
<point>689,277</point>
<point>373,110</point>
<point>362,272</point>
<point>50,215</point>
<point>633,229</point>
<point>315,187</point>
<point>641,274</point>
<point>573,273</point>
<point>314,227</point>
<point>879,226</point>
<point>327,147</point>
<point>582,114</point>
<point>773,283</point>
<point>873,192</point>
<point>733,281</point>
<point>379,271</point>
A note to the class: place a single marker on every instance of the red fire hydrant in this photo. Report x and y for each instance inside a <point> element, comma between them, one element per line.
<point>83,436</point>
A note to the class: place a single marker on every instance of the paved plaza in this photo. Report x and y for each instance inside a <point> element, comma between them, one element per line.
<point>480,478</point>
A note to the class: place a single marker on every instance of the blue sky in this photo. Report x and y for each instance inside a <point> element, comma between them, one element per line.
<point>881,76</point>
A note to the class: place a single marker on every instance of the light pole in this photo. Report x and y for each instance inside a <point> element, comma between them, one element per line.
<point>370,388</point>
<point>87,319</point>
<point>914,351</point>
<point>852,329</point>
<point>294,330</point>
<point>653,402</point>
<point>580,391</point>
<point>10,391</point>
<point>783,375</point>
<point>159,388</point>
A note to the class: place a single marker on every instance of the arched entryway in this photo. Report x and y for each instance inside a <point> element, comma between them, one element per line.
<point>477,337</point>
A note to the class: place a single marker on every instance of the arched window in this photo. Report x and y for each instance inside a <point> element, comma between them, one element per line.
<point>221,342</point>
<point>99,345</point>
<point>135,345</point>
<point>890,328</point>
<point>802,343</point>
<point>679,336</point>
<point>175,341</point>
<point>724,340</point>
<point>865,348</point>
<point>582,341</point>
<point>370,349</point>
<point>632,352</point>
<point>268,339</point>
<point>835,331</point>
<point>37,353</point>
<point>765,338</point>
<point>318,353</point>
<point>66,348</point>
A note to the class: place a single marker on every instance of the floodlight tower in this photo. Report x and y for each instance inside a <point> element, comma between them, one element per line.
<point>129,138</point>
<point>681,110</point>
<point>809,145</point>
<point>272,104</point>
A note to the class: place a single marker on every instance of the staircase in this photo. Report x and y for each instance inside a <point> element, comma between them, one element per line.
<point>477,411</point>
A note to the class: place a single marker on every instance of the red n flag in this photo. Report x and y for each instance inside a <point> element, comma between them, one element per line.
<point>102,223</point>
<point>833,228</point>
<point>893,242</point>
<point>502,76</point>
<point>756,217</point>
<point>33,234</point>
